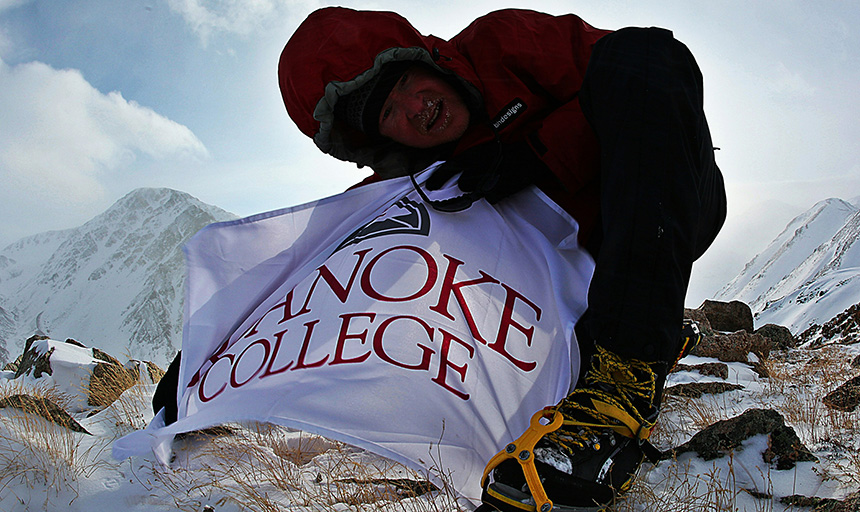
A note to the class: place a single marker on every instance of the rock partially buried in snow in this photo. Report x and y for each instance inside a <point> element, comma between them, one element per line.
<point>45,408</point>
<point>735,347</point>
<point>89,376</point>
<point>784,447</point>
<point>720,370</point>
<point>697,389</point>
<point>846,397</point>
<point>780,337</point>
<point>851,503</point>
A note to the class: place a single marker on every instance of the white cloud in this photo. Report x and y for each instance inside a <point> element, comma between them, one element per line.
<point>61,138</point>
<point>206,17</point>
<point>8,4</point>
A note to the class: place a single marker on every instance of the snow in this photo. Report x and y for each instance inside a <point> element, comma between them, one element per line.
<point>805,275</point>
<point>257,467</point>
<point>808,274</point>
<point>125,265</point>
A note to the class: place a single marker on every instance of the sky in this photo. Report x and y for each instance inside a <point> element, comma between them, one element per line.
<point>99,97</point>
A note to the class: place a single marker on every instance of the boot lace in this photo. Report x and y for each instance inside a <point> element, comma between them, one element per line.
<point>606,403</point>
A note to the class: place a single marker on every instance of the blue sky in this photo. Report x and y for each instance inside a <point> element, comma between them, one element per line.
<point>98,97</point>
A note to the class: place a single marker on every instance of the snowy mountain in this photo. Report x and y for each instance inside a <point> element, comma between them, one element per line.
<point>115,282</point>
<point>809,273</point>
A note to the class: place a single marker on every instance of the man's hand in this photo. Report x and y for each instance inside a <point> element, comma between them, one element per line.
<point>493,170</point>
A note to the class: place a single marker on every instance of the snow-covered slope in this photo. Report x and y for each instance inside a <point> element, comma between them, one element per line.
<point>115,282</point>
<point>809,273</point>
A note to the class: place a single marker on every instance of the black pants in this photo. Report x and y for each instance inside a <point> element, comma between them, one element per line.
<point>662,196</point>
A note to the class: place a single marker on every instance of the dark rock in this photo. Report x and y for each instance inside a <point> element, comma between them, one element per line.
<point>697,389</point>
<point>846,397</point>
<point>403,487</point>
<point>74,342</point>
<point>851,503</point>
<point>784,447</point>
<point>44,408</point>
<point>104,356</point>
<point>733,347</point>
<point>720,370</point>
<point>698,316</point>
<point>760,369</point>
<point>728,316</point>
<point>843,328</point>
<point>33,363</point>
<point>155,372</point>
<point>780,337</point>
<point>855,362</point>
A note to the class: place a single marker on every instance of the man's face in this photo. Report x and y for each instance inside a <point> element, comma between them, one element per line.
<point>423,110</point>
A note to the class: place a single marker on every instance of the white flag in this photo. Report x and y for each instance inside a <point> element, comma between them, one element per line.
<point>373,319</point>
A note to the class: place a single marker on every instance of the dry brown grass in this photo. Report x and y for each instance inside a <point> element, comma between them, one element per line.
<point>266,468</point>
<point>39,455</point>
<point>800,385</point>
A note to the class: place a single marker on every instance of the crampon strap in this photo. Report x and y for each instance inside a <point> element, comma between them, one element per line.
<point>523,448</point>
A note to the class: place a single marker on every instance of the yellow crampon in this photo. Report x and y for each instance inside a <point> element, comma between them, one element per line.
<point>607,410</point>
<point>523,451</point>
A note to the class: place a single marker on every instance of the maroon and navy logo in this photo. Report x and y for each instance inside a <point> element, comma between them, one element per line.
<point>405,217</point>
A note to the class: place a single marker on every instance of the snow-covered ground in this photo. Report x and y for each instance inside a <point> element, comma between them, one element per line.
<point>266,468</point>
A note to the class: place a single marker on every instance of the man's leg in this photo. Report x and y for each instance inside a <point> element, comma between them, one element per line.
<point>662,195</point>
<point>663,202</point>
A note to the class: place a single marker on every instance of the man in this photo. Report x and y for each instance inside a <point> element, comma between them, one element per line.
<point>608,124</point>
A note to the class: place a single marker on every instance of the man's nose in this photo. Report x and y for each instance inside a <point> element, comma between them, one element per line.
<point>411,103</point>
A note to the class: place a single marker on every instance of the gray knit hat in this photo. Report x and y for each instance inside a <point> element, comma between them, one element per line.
<point>360,108</point>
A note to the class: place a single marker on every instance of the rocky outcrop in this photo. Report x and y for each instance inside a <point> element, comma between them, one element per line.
<point>846,397</point>
<point>728,316</point>
<point>779,336</point>
<point>30,361</point>
<point>103,378</point>
<point>844,328</point>
<point>851,503</point>
<point>720,370</point>
<point>698,389</point>
<point>45,408</point>
<point>734,347</point>
<point>784,447</point>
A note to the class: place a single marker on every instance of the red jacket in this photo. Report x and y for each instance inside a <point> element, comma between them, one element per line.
<point>521,69</point>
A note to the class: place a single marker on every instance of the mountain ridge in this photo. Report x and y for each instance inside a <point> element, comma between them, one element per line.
<point>803,277</point>
<point>115,281</point>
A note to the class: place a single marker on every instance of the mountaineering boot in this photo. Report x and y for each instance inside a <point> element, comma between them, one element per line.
<point>580,454</point>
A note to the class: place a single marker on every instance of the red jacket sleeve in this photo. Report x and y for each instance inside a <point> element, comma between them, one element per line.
<point>541,59</point>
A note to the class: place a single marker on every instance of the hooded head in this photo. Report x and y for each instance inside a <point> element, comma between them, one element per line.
<point>338,52</point>
<point>360,109</point>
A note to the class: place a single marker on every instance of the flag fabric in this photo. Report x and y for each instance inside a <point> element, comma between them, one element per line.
<point>371,318</point>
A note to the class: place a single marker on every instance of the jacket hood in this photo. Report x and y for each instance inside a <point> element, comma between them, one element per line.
<point>337,50</point>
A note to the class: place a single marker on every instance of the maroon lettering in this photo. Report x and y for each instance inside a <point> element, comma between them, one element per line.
<point>286,304</point>
<point>507,321</point>
<point>300,363</point>
<point>344,335</point>
<point>200,389</point>
<point>214,357</point>
<point>266,346</point>
<point>449,287</point>
<point>379,349</point>
<point>277,350</point>
<point>445,363</point>
<point>432,274</point>
<point>340,291</point>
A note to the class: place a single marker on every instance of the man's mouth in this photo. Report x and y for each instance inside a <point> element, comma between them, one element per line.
<point>436,116</point>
